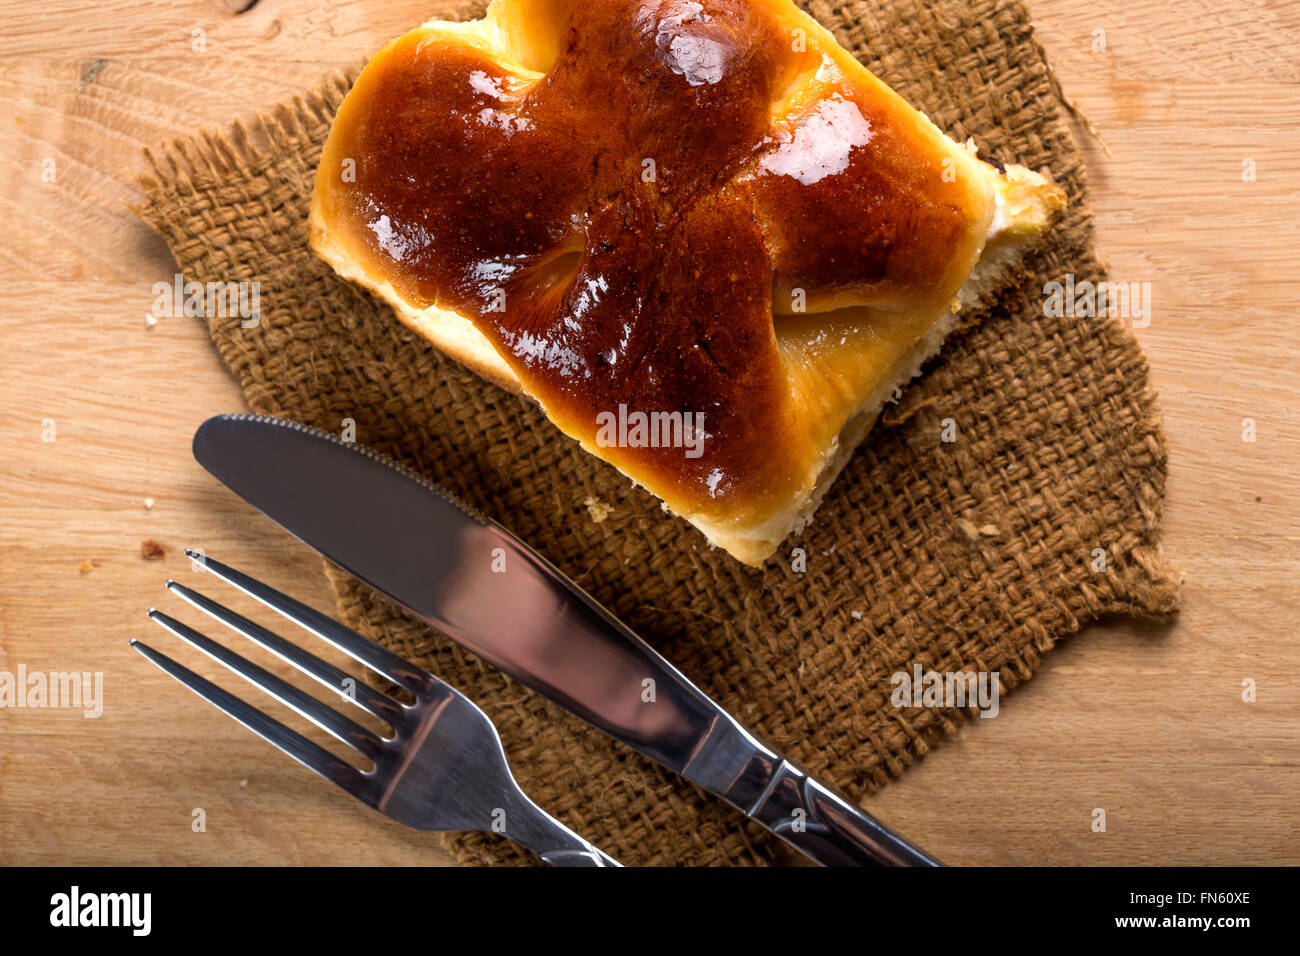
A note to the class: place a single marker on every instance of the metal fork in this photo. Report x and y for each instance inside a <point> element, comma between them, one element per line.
<point>443,768</point>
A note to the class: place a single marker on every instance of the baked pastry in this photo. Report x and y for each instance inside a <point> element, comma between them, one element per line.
<point>701,235</point>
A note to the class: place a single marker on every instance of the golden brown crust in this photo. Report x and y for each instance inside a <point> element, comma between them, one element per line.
<point>671,207</point>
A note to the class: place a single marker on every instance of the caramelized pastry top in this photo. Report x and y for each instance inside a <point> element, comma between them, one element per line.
<point>629,198</point>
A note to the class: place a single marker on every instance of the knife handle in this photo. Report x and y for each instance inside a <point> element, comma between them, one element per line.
<point>822,824</point>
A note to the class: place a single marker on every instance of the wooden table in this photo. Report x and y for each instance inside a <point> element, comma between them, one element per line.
<point>1147,723</point>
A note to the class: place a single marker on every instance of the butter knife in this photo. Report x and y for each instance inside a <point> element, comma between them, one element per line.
<point>478,584</point>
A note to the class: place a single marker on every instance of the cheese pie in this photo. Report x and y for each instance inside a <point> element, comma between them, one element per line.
<point>703,237</point>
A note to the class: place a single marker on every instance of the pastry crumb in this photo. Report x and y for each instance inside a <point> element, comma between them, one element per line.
<point>856,615</point>
<point>973,532</point>
<point>148,504</point>
<point>149,321</point>
<point>87,566</point>
<point>598,509</point>
<point>151,550</point>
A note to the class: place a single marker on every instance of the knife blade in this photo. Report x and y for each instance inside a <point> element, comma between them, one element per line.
<point>484,588</point>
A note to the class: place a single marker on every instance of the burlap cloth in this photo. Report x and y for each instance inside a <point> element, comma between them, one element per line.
<point>971,555</point>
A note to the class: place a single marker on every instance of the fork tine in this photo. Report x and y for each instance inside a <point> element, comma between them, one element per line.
<point>361,649</point>
<point>310,755</point>
<point>339,681</point>
<point>326,718</point>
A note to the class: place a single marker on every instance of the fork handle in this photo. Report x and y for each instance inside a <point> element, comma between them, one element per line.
<point>532,827</point>
<point>592,857</point>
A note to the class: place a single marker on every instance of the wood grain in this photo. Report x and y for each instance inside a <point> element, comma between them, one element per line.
<point>1145,722</point>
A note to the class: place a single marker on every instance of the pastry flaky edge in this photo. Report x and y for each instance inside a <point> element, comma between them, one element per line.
<point>1026,202</point>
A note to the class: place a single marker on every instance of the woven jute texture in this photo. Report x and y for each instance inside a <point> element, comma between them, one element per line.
<point>972,555</point>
